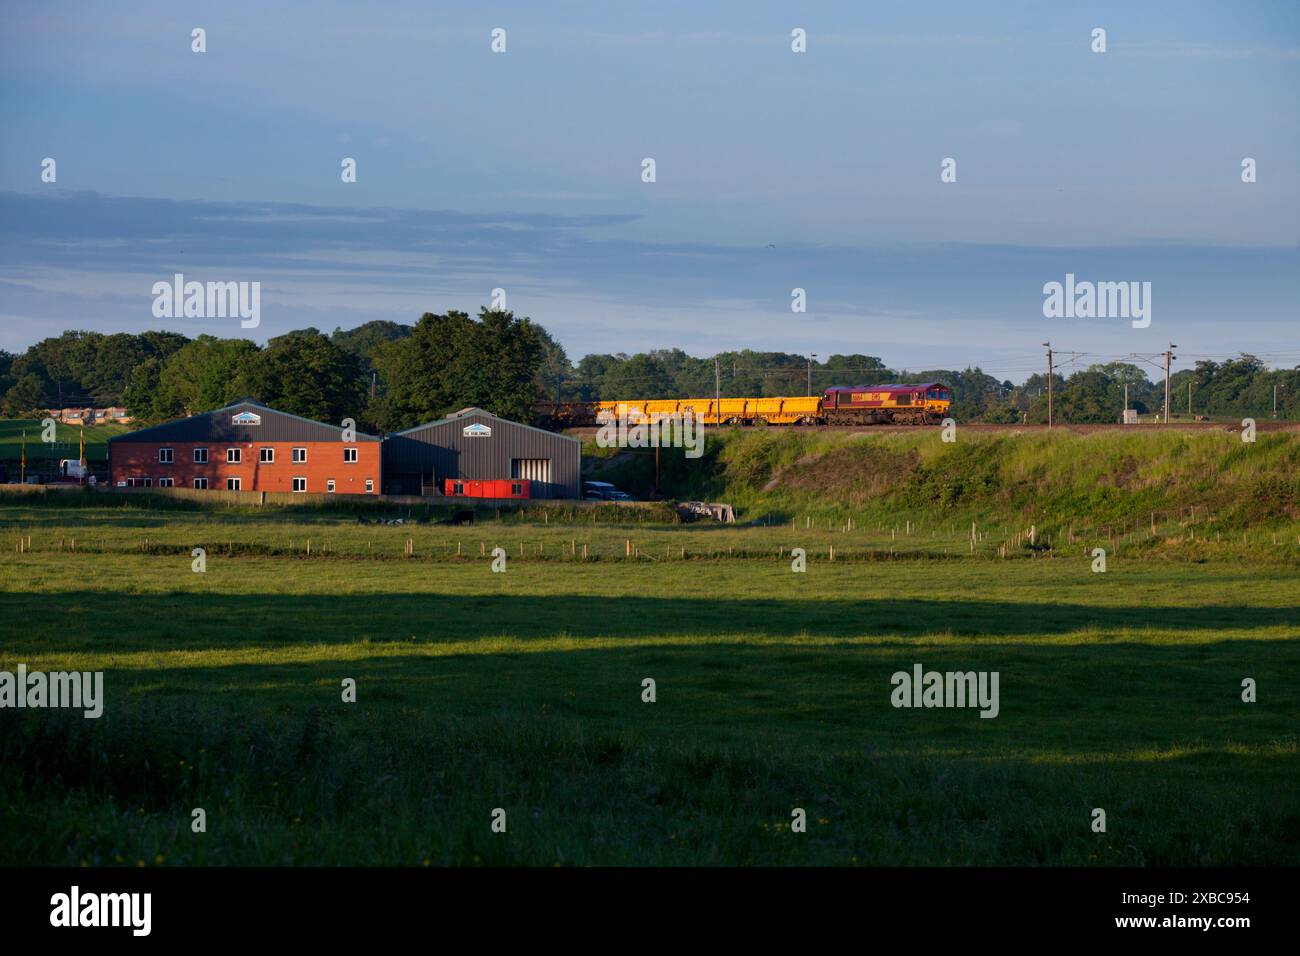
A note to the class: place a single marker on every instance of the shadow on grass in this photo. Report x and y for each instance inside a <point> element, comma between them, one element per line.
<point>72,621</point>
<point>592,774</point>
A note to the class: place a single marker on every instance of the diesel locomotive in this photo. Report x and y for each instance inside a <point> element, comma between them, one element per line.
<point>921,404</point>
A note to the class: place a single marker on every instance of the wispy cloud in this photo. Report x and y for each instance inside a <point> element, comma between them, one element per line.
<point>84,260</point>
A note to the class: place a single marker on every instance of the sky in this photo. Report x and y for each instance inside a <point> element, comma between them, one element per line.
<point>522,170</point>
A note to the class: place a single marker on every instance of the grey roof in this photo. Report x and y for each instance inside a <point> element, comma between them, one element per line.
<point>216,426</point>
<point>471,411</point>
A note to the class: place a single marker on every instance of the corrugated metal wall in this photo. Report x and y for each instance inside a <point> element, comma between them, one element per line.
<point>445,449</point>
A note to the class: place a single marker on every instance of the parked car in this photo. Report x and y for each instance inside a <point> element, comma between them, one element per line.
<point>603,491</point>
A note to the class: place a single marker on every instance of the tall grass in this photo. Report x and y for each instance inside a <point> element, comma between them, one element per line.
<point>1104,476</point>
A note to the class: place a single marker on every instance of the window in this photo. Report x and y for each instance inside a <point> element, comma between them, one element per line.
<point>350,455</point>
<point>458,488</point>
<point>166,455</point>
<point>232,456</point>
<point>201,483</point>
<point>139,482</point>
<point>266,455</point>
<point>232,484</point>
<point>165,482</point>
<point>517,488</point>
<point>201,457</point>
<point>329,486</point>
<point>370,486</point>
<point>300,484</point>
<point>299,455</point>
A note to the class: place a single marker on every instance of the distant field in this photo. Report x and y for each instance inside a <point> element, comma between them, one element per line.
<point>66,445</point>
<point>1057,477</point>
<point>522,690</point>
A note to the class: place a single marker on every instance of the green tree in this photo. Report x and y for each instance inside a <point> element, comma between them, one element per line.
<point>141,396</point>
<point>452,361</point>
<point>366,339</point>
<point>639,376</point>
<point>6,371</point>
<point>304,373</point>
<point>27,397</point>
<point>204,374</point>
<point>554,368</point>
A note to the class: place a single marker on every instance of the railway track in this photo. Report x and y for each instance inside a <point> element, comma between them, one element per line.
<point>1261,425</point>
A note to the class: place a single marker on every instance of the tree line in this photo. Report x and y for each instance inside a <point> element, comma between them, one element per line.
<point>383,375</point>
<point>389,375</point>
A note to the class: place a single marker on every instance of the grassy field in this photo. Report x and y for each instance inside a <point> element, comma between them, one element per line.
<point>66,443</point>
<point>522,690</point>
<point>1049,478</point>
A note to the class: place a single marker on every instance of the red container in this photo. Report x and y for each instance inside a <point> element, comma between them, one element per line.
<point>487,488</point>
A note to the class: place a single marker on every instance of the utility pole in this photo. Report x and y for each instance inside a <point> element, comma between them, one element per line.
<point>717,391</point>
<point>1169,357</point>
<point>1049,383</point>
<point>813,355</point>
<point>1189,398</point>
<point>1124,417</point>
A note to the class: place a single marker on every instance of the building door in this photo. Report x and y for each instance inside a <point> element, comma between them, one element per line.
<point>536,470</point>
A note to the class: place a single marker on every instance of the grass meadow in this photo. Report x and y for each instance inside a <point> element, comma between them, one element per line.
<point>66,444</point>
<point>522,690</point>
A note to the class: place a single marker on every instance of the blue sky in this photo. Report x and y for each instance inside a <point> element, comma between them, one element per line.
<point>775,170</point>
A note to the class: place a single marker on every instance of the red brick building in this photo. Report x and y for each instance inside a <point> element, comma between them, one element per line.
<point>247,447</point>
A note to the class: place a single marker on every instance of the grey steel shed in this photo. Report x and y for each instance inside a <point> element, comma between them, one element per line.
<point>475,445</point>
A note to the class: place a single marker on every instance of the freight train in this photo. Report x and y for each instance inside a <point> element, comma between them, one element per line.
<point>921,404</point>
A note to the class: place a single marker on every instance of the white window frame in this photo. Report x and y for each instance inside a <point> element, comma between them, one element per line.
<point>266,456</point>
<point>234,456</point>
<point>370,486</point>
<point>329,486</point>
<point>200,456</point>
<point>234,484</point>
<point>296,479</point>
<point>300,456</point>
<point>166,456</point>
<point>349,456</point>
<point>166,482</point>
<point>201,484</point>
